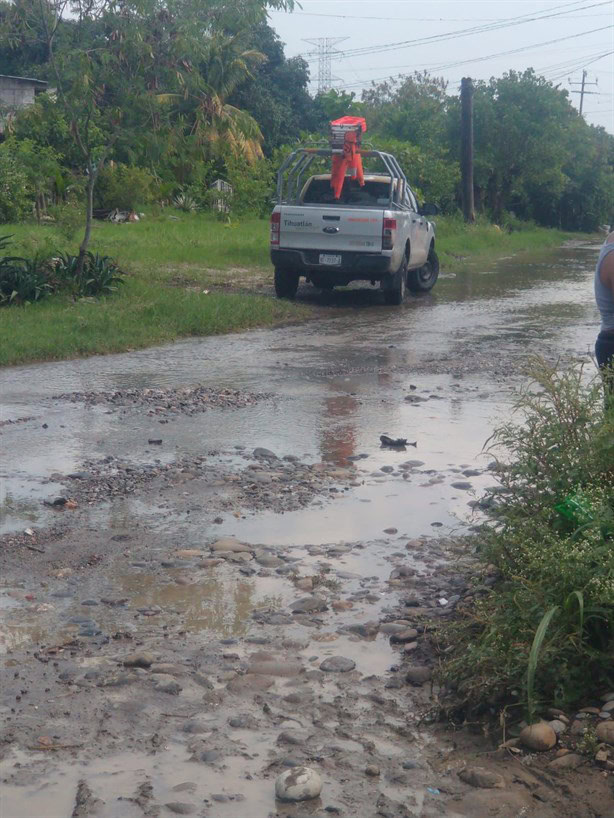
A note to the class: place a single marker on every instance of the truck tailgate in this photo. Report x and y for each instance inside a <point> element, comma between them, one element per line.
<point>331,229</point>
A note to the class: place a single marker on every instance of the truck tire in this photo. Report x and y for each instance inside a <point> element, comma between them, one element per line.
<point>286,284</point>
<point>394,286</point>
<point>423,279</point>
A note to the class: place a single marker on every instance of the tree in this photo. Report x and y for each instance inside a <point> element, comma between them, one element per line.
<point>276,93</point>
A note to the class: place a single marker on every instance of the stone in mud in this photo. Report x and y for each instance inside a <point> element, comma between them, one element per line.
<point>240,556</point>
<point>407,635</point>
<point>298,784</point>
<point>337,664</point>
<point>605,732</point>
<point>481,777</point>
<point>229,544</point>
<point>365,629</point>
<point>273,668</point>
<point>180,808</point>
<point>243,722</point>
<point>269,561</point>
<point>304,584</point>
<point>310,604</point>
<point>372,770</point>
<point>391,627</point>
<point>294,737</point>
<point>462,485</point>
<point>250,683</point>
<point>208,756</point>
<point>570,761</point>
<point>539,737</point>
<point>558,726</point>
<point>418,675</point>
<point>143,660</point>
<point>608,697</point>
<point>265,454</point>
<point>166,684</point>
<point>188,553</point>
<point>342,605</point>
<point>410,647</point>
<point>387,808</point>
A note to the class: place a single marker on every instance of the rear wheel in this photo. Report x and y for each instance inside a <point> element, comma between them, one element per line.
<point>286,284</point>
<point>423,279</point>
<point>394,287</point>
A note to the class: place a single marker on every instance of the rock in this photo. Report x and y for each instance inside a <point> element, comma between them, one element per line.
<point>187,553</point>
<point>342,605</point>
<point>571,761</point>
<point>539,737</point>
<point>250,683</point>
<point>462,485</point>
<point>558,726</point>
<point>337,664</point>
<point>605,732</point>
<point>305,584</point>
<point>229,544</point>
<point>208,756</point>
<point>481,777</point>
<point>273,668</point>
<point>295,737</point>
<point>194,727</point>
<point>372,770</point>
<point>243,722</point>
<point>407,635</point>
<point>365,629</point>
<point>298,784</point>
<point>269,561</point>
<point>310,604</point>
<point>601,756</point>
<point>265,454</point>
<point>608,697</point>
<point>591,711</point>
<point>166,684</point>
<point>410,647</point>
<point>391,531</point>
<point>143,660</point>
<point>608,707</point>
<point>180,808</point>
<point>418,675</point>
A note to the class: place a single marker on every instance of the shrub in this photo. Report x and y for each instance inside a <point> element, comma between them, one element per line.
<point>124,187</point>
<point>100,274</point>
<point>545,630</point>
<point>22,280</point>
<point>15,202</point>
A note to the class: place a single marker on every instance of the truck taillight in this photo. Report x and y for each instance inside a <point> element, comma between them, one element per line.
<point>275,227</point>
<point>388,231</point>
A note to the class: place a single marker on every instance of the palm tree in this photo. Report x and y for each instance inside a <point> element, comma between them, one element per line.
<point>216,126</point>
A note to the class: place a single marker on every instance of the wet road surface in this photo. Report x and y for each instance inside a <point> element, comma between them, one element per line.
<point>439,371</point>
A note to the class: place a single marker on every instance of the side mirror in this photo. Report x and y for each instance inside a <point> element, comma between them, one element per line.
<point>429,209</point>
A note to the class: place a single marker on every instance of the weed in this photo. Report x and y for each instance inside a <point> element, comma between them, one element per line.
<point>546,628</point>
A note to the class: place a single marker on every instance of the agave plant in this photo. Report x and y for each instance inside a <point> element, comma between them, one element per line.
<point>183,201</point>
<point>100,274</point>
<point>23,280</point>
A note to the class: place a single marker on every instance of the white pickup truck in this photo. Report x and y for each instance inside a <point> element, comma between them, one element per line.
<point>375,232</point>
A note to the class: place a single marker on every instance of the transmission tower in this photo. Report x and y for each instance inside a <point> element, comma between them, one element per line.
<point>326,49</point>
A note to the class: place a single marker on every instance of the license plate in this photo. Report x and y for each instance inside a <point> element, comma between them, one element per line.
<point>332,261</point>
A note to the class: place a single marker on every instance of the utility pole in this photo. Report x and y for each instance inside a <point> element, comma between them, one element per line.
<point>326,49</point>
<point>467,148</point>
<point>583,90</point>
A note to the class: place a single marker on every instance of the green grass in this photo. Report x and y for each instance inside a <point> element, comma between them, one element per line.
<point>170,258</point>
<point>141,315</point>
<point>459,244</point>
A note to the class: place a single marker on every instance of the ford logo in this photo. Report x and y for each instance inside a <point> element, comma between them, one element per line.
<point>331,229</point>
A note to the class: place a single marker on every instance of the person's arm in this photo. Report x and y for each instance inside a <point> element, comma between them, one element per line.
<point>606,274</point>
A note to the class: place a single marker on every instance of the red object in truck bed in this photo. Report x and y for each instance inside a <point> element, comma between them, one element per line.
<point>346,134</point>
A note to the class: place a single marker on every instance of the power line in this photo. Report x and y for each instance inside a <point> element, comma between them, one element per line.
<point>508,22</point>
<point>583,83</point>
<point>505,53</point>
<point>417,19</point>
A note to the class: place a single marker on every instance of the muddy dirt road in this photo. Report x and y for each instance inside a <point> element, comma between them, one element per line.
<point>236,579</point>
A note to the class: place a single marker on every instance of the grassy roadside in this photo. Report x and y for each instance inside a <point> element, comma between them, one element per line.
<point>171,259</point>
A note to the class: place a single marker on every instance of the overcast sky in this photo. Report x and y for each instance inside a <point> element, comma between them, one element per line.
<point>555,46</point>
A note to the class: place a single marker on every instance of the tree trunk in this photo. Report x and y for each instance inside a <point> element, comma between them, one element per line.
<point>89,193</point>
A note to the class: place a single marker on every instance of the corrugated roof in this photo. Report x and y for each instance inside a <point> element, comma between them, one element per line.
<point>23,79</point>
